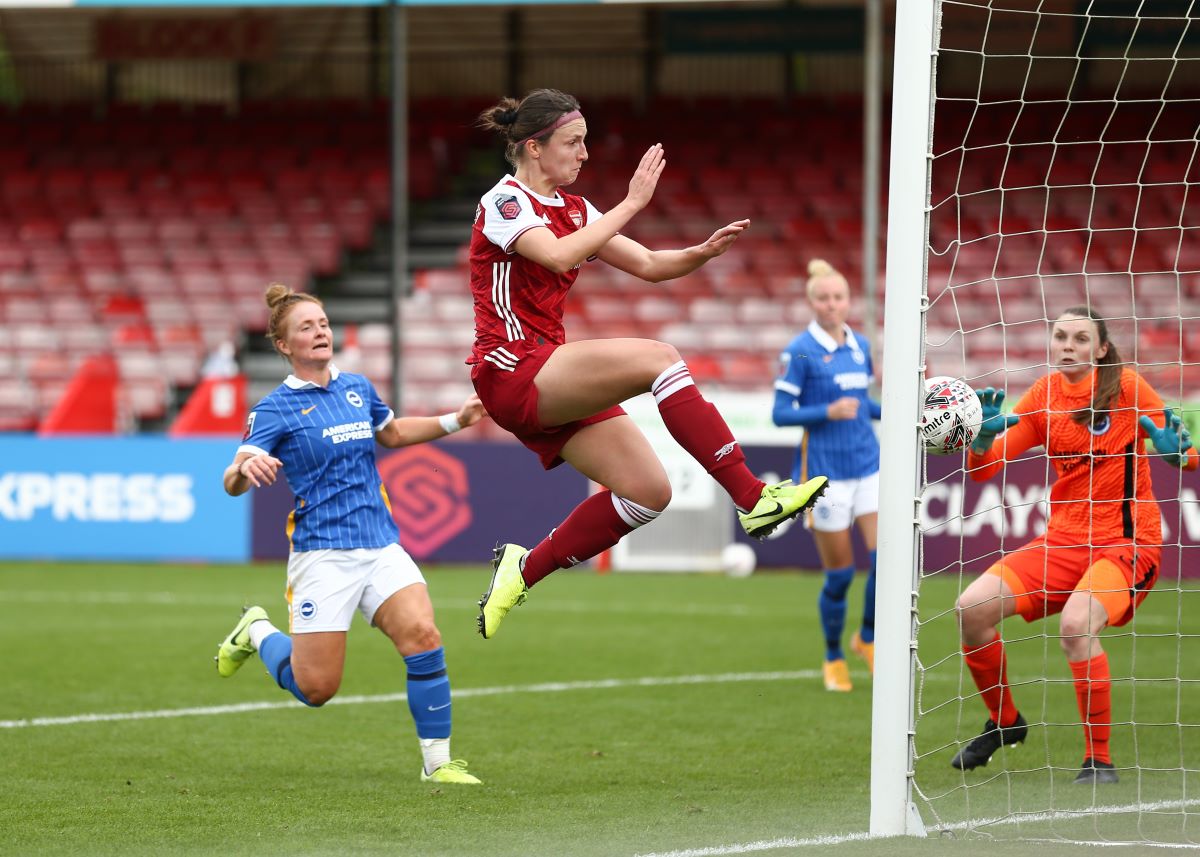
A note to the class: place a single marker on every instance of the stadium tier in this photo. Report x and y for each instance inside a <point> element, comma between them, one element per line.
<point>151,234</point>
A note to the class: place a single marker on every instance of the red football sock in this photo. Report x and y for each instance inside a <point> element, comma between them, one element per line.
<point>592,527</point>
<point>702,432</point>
<point>1093,692</point>
<point>989,668</point>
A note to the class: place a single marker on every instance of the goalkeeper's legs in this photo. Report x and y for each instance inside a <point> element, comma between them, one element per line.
<point>981,607</point>
<point>1085,615</point>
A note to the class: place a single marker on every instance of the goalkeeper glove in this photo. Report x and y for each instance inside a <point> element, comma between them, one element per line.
<point>994,421</point>
<point>1172,441</point>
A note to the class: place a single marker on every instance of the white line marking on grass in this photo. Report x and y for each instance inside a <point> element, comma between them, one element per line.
<point>177,599</point>
<point>761,845</point>
<point>1066,814</point>
<point>460,693</point>
<point>1018,818</point>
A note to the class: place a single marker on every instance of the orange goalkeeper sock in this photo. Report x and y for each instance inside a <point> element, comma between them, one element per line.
<point>1093,692</point>
<point>989,668</point>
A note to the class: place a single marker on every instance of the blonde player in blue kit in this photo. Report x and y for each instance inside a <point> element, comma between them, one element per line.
<point>823,382</point>
<point>320,426</point>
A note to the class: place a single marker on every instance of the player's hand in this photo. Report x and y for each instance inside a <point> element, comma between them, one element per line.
<point>260,469</point>
<point>994,421</point>
<point>471,411</point>
<point>1172,441</point>
<point>645,177</point>
<point>723,238</point>
<point>845,408</point>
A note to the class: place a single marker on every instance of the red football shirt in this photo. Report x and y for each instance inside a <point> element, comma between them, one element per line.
<point>516,298</point>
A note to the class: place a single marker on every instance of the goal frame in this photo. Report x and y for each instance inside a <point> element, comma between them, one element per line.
<point>893,725</point>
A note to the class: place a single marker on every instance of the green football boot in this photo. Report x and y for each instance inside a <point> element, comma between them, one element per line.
<point>778,503</point>
<point>451,772</point>
<point>506,591</point>
<point>236,648</point>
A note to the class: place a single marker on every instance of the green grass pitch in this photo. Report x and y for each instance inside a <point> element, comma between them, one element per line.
<point>622,715</point>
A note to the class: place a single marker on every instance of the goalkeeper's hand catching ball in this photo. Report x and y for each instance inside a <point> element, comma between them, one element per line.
<point>994,422</point>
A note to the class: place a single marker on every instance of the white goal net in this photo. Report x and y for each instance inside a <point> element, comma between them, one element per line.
<point>1057,166</point>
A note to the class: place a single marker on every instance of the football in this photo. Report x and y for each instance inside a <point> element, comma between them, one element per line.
<point>738,560</point>
<point>951,415</point>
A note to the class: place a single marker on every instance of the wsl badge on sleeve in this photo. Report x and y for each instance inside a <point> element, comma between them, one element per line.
<point>507,205</point>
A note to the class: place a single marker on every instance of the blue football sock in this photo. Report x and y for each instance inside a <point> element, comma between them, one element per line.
<point>833,609</point>
<point>868,626</point>
<point>429,693</point>
<point>276,654</point>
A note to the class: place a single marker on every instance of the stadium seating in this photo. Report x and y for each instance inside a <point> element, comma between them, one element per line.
<point>151,234</point>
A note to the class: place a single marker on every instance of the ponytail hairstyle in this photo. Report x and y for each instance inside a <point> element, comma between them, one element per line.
<point>1108,370</point>
<point>280,300</point>
<point>535,117</point>
<point>818,269</point>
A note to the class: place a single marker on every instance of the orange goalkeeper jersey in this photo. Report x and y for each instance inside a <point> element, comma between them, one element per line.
<point>1102,493</point>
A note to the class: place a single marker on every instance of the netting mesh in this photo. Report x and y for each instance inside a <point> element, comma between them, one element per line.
<point>1065,170</point>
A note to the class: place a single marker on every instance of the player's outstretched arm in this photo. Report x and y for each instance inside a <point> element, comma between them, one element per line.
<point>1171,440</point>
<point>655,266</point>
<point>250,470</point>
<point>406,431</point>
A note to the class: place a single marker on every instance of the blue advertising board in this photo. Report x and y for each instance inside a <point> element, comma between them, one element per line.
<point>119,498</point>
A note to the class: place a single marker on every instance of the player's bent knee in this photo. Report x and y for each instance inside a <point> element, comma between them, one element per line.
<point>656,497</point>
<point>973,617</point>
<point>664,353</point>
<point>1074,630</point>
<point>319,692</point>
<point>420,637</point>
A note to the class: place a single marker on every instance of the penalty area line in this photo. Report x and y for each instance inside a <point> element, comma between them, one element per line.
<point>461,693</point>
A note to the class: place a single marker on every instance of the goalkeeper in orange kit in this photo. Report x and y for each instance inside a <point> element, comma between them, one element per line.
<point>1100,554</point>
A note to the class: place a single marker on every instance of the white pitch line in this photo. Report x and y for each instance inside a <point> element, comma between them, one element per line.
<point>177,599</point>
<point>761,845</point>
<point>461,693</point>
<point>1020,818</point>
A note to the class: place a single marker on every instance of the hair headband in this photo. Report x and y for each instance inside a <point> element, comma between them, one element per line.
<point>554,126</point>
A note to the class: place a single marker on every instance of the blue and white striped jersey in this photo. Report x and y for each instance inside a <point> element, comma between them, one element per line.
<point>815,371</point>
<point>325,437</point>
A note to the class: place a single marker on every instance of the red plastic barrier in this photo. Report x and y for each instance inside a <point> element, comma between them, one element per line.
<point>217,406</point>
<point>89,404</point>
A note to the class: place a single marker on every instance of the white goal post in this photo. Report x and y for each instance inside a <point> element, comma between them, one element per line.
<point>892,719</point>
<point>1044,155</point>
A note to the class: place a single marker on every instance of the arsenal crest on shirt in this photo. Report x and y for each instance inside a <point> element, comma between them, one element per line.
<point>576,217</point>
<point>507,205</point>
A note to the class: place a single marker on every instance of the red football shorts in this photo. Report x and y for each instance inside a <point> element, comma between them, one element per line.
<point>1043,575</point>
<point>505,386</point>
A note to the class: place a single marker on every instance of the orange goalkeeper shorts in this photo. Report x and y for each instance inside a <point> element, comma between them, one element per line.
<point>1044,574</point>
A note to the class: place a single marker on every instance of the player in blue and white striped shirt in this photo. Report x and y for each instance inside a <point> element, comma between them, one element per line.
<point>822,385</point>
<point>320,426</point>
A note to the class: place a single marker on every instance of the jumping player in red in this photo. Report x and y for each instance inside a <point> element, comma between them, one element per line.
<point>1099,556</point>
<point>562,400</point>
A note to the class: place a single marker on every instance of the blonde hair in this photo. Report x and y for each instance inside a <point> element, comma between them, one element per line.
<point>280,300</point>
<point>819,269</point>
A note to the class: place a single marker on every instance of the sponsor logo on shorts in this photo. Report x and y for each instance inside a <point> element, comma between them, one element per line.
<point>307,609</point>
